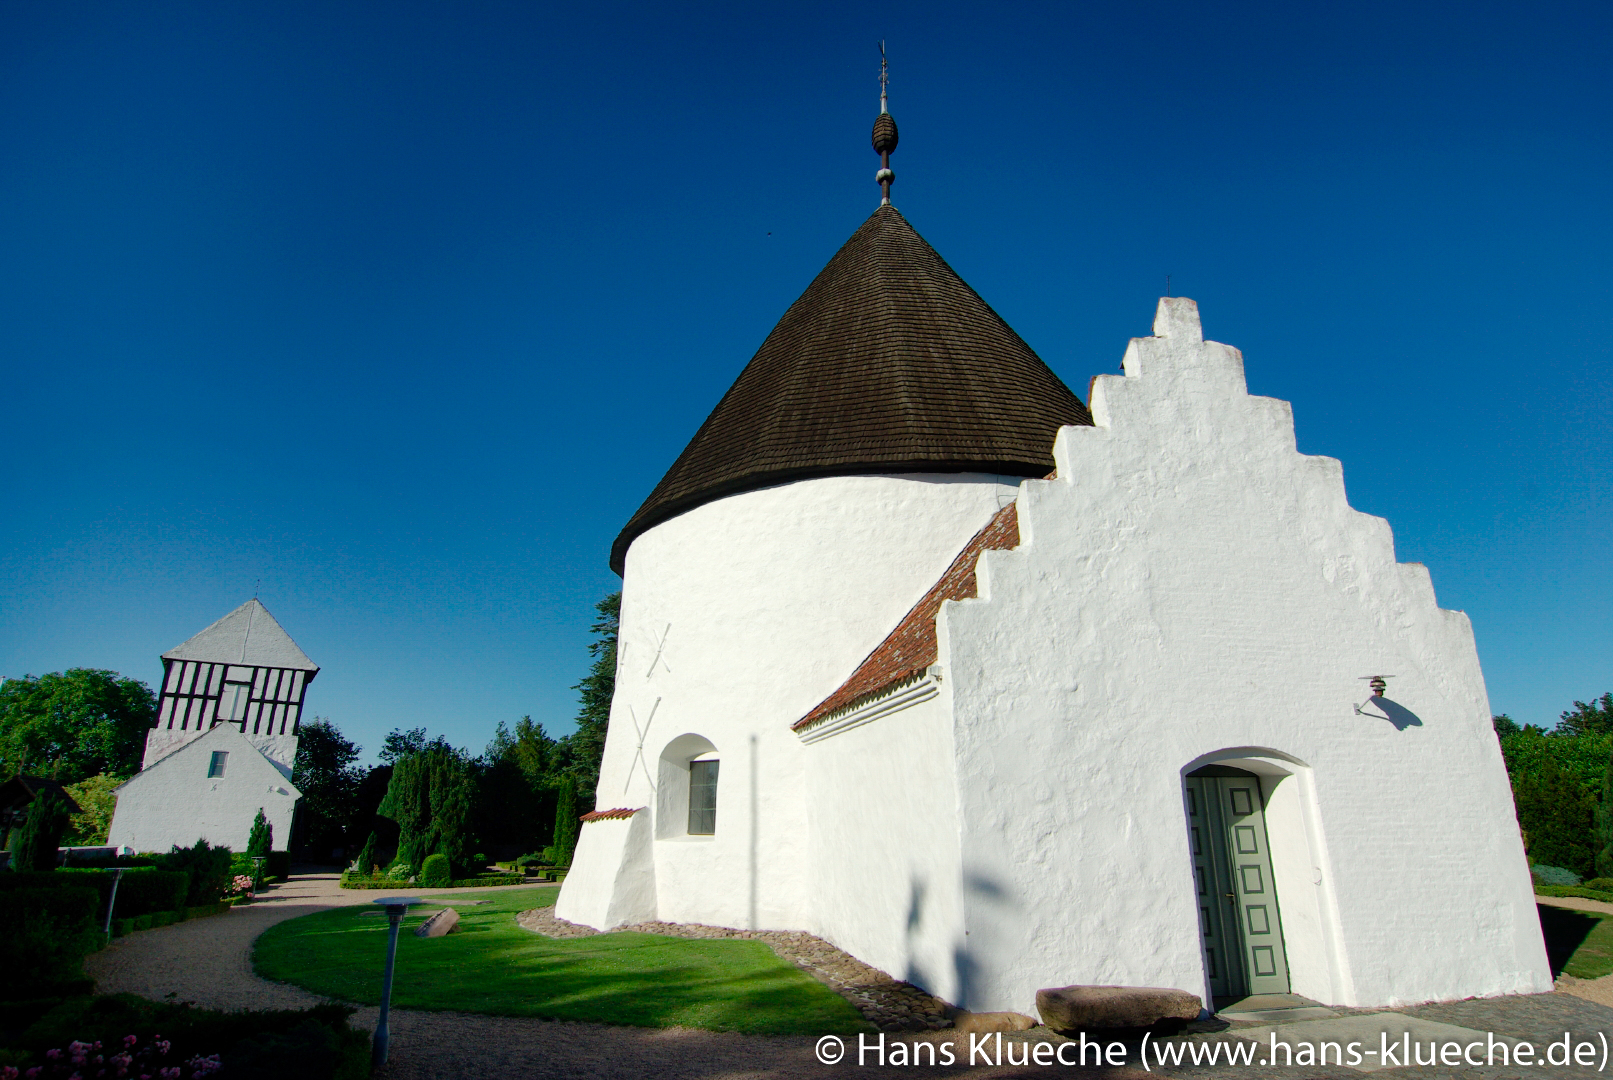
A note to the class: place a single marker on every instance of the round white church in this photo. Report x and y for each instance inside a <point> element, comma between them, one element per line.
<point>996,693</point>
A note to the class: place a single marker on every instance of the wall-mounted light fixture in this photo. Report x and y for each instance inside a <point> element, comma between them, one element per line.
<point>1378,683</point>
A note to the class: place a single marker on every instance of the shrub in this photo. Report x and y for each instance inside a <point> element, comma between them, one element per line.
<point>436,871</point>
<point>208,867</point>
<point>1603,883</point>
<point>1554,875</point>
<point>48,932</point>
<point>279,865</point>
<point>537,860</point>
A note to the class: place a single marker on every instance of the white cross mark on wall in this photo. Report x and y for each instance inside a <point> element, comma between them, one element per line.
<point>638,753</point>
<point>660,646</point>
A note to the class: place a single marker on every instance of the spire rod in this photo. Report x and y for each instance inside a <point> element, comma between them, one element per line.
<point>884,132</point>
<point>884,81</point>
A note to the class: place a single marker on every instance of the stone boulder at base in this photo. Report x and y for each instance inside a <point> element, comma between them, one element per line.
<point>978,1023</point>
<point>1088,1008</point>
<point>439,924</point>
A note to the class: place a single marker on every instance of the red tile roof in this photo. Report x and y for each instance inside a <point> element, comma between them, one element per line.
<point>610,815</point>
<point>911,648</point>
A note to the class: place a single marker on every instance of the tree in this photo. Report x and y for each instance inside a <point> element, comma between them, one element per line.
<point>586,746</point>
<point>1604,827</point>
<point>1557,816</point>
<point>1593,719</point>
<point>1504,725</point>
<point>401,744</point>
<point>430,796</point>
<point>74,724</point>
<point>515,788</point>
<point>329,781</point>
<point>33,846</point>
<point>261,838</point>
<point>565,821</point>
<point>97,802</point>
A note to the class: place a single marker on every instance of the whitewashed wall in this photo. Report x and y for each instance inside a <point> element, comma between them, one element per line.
<point>737,618</point>
<point>1190,585</point>
<point>175,802</point>
<point>884,843</point>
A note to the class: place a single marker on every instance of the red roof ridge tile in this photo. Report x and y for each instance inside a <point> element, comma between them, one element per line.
<point>617,814</point>
<point>911,648</point>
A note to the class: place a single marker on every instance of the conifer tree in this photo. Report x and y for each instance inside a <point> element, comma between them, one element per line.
<point>34,844</point>
<point>565,821</point>
<point>1604,826</point>
<point>367,856</point>
<point>261,838</point>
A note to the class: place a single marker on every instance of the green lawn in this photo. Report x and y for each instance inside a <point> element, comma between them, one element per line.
<point>1579,943</point>
<point>491,965</point>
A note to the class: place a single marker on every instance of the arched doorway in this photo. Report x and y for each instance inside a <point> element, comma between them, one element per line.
<point>1241,930</point>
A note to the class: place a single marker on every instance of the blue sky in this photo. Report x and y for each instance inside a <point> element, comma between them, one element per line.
<point>403,308</point>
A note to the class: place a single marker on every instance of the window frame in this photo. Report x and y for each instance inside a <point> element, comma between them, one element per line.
<point>706,808</point>
<point>217,764</point>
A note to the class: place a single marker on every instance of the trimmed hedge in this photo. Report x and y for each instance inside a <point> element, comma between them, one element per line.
<point>484,882</point>
<point>48,933</point>
<point>142,890</point>
<point>1574,890</point>
<point>154,919</point>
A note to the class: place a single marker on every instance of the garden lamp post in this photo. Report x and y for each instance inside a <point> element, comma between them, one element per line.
<point>395,906</point>
<point>257,871</point>
<point>117,876</point>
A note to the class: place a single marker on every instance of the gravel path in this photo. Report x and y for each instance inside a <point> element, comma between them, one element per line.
<point>208,961</point>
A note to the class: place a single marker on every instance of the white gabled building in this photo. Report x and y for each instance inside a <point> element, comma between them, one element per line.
<point>225,739</point>
<point>997,694</point>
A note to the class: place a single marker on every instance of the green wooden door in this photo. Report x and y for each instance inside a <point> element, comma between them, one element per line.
<point>1241,927</point>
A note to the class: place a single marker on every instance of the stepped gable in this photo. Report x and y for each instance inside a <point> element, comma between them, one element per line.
<point>248,635</point>
<point>911,648</point>
<point>888,363</point>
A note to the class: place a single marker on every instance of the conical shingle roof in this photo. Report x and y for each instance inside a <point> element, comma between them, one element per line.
<point>247,635</point>
<point>887,363</point>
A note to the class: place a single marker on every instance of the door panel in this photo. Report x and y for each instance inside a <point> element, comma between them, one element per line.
<point>1217,916</point>
<point>1239,919</point>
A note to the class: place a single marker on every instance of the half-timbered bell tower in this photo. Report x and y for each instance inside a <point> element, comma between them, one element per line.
<point>243,670</point>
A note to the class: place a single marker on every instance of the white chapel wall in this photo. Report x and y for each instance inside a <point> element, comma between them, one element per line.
<point>1187,585</point>
<point>738,617</point>
<point>884,844</point>
<point>174,801</point>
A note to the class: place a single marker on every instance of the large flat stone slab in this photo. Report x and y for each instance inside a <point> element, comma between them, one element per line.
<point>439,924</point>
<point>1090,1008</point>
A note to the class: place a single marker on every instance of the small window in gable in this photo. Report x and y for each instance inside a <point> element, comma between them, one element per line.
<point>216,766</point>
<point>702,798</point>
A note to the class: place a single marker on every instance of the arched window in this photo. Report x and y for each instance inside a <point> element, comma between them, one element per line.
<point>686,794</point>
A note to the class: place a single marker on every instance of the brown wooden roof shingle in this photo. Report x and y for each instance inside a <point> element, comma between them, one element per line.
<point>911,647</point>
<point>888,362</point>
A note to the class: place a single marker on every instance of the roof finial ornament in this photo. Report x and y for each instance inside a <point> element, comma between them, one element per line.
<point>884,132</point>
